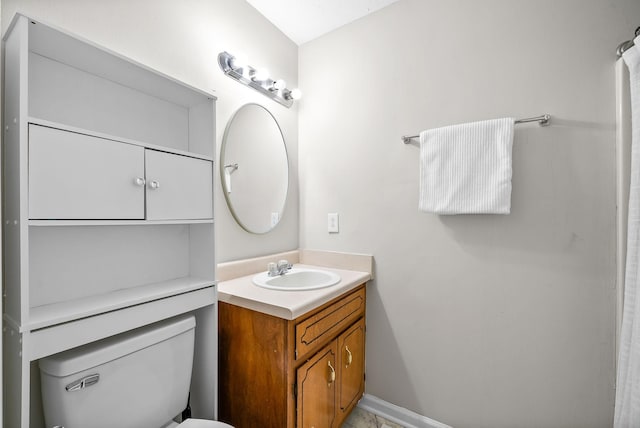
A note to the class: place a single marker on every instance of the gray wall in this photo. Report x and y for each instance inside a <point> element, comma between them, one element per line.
<point>183,39</point>
<point>485,320</point>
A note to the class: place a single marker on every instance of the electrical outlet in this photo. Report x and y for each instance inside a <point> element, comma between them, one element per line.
<point>333,223</point>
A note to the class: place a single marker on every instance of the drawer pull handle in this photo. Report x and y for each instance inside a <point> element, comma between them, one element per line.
<point>154,184</point>
<point>332,374</point>
<point>139,181</point>
<point>349,357</point>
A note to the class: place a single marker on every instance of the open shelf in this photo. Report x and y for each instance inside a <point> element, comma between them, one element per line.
<point>55,43</point>
<point>56,223</point>
<point>76,83</point>
<point>58,313</point>
<point>66,127</point>
<point>61,337</point>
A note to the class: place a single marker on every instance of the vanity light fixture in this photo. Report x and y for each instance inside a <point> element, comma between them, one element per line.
<point>239,61</point>
<point>237,68</point>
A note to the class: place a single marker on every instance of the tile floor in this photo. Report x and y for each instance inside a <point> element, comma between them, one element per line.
<point>362,419</point>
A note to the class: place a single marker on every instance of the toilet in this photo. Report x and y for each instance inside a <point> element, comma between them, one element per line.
<point>137,379</point>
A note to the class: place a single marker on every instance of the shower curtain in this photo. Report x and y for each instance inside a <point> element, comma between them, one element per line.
<point>627,407</point>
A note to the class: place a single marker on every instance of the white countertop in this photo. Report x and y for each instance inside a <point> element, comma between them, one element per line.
<point>287,304</point>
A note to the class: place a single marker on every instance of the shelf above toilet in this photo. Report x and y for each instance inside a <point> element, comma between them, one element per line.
<point>64,335</point>
<point>58,313</point>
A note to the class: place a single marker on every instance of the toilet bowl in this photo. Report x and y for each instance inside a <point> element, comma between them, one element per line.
<point>140,378</point>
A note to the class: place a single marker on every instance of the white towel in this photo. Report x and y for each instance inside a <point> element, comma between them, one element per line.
<point>466,169</point>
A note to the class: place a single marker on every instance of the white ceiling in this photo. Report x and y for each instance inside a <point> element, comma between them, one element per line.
<point>304,20</point>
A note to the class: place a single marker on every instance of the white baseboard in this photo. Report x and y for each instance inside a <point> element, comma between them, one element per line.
<point>397,414</point>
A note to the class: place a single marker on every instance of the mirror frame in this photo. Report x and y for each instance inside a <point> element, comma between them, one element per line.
<point>223,146</point>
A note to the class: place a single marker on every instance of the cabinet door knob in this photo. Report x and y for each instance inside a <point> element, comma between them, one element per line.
<point>349,357</point>
<point>154,184</point>
<point>332,374</point>
<point>139,181</point>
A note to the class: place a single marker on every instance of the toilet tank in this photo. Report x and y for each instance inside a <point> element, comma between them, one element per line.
<point>136,379</point>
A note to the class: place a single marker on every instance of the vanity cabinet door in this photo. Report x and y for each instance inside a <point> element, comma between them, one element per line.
<point>76,176</point>
<point>316,383</point>
<point>178,187</point>
<point>351,347</point>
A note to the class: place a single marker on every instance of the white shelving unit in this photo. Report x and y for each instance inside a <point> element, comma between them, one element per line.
<point>107,207</point>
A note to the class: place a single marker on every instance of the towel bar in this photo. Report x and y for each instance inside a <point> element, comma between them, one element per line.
<point>542,121</point>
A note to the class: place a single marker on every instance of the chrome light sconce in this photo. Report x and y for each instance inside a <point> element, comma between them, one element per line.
<point>239,70</point>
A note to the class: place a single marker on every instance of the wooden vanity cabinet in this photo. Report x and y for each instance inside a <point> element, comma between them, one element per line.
<point>307,372</point>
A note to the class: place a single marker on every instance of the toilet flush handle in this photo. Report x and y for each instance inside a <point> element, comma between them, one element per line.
<point>85,382</point>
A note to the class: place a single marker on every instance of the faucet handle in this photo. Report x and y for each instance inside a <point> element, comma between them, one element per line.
<point>272,268</point>
<point>284,265</point>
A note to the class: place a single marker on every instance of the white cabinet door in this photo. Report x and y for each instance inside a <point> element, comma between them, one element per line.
<point>178,187</point>
<point>75,176</point>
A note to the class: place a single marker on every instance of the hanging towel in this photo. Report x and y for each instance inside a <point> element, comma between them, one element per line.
<point>466,168</point>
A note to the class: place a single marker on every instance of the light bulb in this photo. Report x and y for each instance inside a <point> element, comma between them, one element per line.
<point>238,61</point>
<point>261,74</point>
<point>296,94</point>
<point>279,84</point>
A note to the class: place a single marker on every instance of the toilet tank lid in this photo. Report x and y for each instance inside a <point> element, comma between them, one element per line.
<point>94,354</point>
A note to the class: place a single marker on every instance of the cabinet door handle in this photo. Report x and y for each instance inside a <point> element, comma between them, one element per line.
<point>139,181</point>
<point>154,184</point>
<point>349,357</point>
<point>332,374</point>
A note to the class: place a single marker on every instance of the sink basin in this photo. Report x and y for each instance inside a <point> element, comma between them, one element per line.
<point>297,279</point>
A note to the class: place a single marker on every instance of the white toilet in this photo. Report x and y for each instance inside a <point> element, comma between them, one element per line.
<point>138,379</point>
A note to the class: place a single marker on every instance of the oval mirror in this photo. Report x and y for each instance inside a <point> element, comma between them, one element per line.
<point>254,168</point>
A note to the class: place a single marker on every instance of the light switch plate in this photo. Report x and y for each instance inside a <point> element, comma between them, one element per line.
<point>333,223</point>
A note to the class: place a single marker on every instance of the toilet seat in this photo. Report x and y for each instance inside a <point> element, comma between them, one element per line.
<point>202,423</point>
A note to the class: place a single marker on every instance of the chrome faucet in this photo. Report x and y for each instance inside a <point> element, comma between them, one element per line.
<point>282,267</point>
